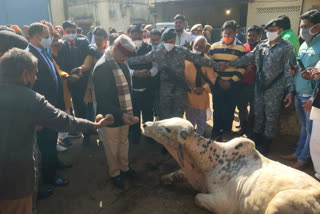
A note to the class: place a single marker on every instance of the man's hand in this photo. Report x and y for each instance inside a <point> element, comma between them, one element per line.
<point>223,65</point>
<point>307,105</point>
<point>65,76</point>
<point>103,121</point>
<point>198,91</point>
<point>77,71</point>
<point>129,119</point>
<point>73,78</point>
<point>225,84</point>
<point>288,100</point>
<point>293,69</point>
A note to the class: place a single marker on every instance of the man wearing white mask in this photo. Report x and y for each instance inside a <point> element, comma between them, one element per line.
<point>273,78</point>
<point>142,90</point>
<point>171,61</point>
<point>200,80</point>
<point>48,84</point>
<point>309,54</point>
<point>72,59</point>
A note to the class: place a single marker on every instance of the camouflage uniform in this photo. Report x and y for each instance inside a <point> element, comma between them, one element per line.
<point>271,85</point>
<point>173,87</point>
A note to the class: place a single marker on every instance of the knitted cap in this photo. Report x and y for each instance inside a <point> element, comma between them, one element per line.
<point>125,45</point>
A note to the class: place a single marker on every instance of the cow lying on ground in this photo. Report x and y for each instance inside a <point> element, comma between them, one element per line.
<point>233,177</point>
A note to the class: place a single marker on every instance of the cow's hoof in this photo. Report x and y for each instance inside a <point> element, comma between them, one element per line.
<point>167,180</point>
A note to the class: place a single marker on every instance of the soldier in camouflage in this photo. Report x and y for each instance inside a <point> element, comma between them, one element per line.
<point>272,58</point>
<point>173,86</point>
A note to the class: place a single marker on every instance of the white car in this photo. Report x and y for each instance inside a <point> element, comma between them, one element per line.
<point>164,24</point>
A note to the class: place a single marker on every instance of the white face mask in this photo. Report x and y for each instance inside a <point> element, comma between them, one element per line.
<point>196,52</point>
<point>313,34</point>
<point>138,43</point>
<point>45,43</point>
<point>71,36</point>
<point>168,46</point>
<point>306,34</point>
<point>272,36</point>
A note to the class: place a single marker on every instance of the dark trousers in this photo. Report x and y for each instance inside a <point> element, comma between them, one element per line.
<point>224,103</point>
<point>246,95</point>
<point>47,141</point>
<point>142,105</point>
<point>78,90</point>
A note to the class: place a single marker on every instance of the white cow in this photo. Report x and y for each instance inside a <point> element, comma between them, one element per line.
<point>233,177</point>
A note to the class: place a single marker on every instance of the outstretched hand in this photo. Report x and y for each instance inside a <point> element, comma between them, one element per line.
<point>103,121</point>
<point>129,119</point>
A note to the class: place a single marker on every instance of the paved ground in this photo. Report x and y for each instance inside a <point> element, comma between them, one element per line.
<point>90,190</point>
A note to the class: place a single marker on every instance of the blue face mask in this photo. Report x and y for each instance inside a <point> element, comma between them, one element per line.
<point>156,47</point>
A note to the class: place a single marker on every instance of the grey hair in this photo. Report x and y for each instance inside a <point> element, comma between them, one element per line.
<point>14,62</point>
<point>200,38</point>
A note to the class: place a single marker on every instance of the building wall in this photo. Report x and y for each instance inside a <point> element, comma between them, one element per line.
<point>202,12</point>
<point>23,12</point>
<point>57,12</point>
<point>262,11</point>
<point>311,4</point>
<point>112,13</point>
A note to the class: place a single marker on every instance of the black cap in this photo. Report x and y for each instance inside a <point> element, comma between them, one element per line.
<point>135,29</point>
<point>10,40</point>
<point>169,33</point>
<point>274,23</point>
<point>180,16</point>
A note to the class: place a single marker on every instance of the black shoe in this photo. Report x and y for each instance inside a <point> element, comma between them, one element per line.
<point>130,173</point>
<point>63,165</point>
<point>75,134</point>
<point>117,182</point>
<point>45,191</point>
<point>59,182</point>
<point>65,142</point>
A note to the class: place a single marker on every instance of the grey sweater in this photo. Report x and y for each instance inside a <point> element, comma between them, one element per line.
<point>21,110</point>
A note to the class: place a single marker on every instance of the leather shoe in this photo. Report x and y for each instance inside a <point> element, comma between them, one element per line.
<point>130,173</point>
<point>117,182</point>
<point>45,191</point>
<point>63,165</point>
<point>60,182</point>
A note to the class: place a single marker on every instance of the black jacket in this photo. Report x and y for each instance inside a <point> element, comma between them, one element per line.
<point>70,59</point>
<point>142,82</point>
<point>106,91</point>
<point>46,84</point>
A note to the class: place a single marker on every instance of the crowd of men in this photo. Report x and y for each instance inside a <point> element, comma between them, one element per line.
<point>57,83</point>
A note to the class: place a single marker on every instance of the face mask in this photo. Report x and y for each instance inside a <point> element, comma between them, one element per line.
<point>227,40</point>
<point>196,52</point>
<point>194,37</point>
<point>168,46</point>
<point>138,43</point>
<point>313,34</point>
<point>71,36</point>
<point>45,43</point>
<point>272,36</point>
<point>156,47</point>
<point>305,34</point>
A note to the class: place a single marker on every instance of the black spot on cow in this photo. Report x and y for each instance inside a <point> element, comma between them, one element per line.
<point>210,148</point>
<point>235,153</point>
<point>238,146</point>
<point>183,134</point>
<point>256,157</point>
<point>214,150</point>
<point>168,130</point>
<point>221,161</point>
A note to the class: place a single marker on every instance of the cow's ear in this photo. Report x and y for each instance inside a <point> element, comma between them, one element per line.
<point>183,133</point>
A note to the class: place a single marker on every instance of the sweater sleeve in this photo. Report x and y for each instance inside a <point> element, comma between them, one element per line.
<point>53,118</point>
